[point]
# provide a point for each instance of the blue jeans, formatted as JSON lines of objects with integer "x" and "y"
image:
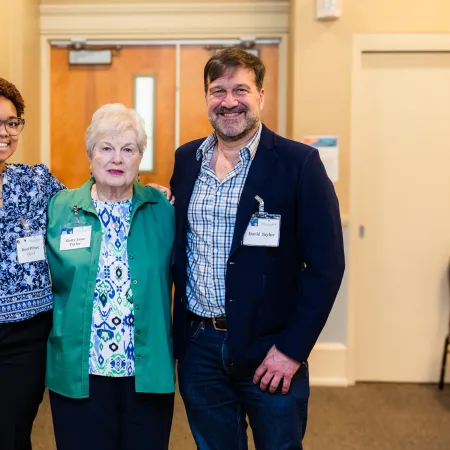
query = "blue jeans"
{"x": 218, "y": 399}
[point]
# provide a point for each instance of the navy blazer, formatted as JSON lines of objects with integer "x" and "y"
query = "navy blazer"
{"x": 274, "y": 295}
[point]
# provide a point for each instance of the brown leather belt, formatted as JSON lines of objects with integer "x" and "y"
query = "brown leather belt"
{"x": 219, "y": 323}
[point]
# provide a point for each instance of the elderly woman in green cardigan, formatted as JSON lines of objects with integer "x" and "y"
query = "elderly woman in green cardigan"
{"x": 110, "y": 370}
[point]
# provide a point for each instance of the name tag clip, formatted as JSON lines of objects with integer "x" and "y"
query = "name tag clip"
{"x": 261, "y": 203}
{"x": 75, "y": 211}
{"x": 25, "y": 225}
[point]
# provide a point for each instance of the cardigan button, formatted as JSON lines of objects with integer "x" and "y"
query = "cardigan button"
{"x": 131, "y": 257}
{"x": 134, "y": 281}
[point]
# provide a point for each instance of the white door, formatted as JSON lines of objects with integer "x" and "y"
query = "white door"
{"x": 401, "y": 195}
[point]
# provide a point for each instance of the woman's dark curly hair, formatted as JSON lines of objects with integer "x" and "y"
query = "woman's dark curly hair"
{"x": 9, "y": 91}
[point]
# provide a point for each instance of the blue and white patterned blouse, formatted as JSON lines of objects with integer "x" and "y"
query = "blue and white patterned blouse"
{"x": 111, "y": 351}
{"x": 24, "y": 288}
{"x": 211, "y": 219}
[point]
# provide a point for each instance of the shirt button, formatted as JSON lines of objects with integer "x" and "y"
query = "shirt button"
{"x": 134, "y": 281}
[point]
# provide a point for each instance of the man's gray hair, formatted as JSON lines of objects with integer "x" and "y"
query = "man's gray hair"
{"x": 117, "y": 118}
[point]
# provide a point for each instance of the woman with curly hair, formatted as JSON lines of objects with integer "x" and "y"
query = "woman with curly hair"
{"x": 25, "y": 291}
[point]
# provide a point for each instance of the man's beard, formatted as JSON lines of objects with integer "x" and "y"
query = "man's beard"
{"x": 232, "y": 134}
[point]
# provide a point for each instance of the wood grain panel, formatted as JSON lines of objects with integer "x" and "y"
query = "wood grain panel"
{"x": 194, "y": 122}
{"x": 269, "y": 56}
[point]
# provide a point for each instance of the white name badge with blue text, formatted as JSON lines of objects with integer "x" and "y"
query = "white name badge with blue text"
{"x": 263, "y": 231}
{"x": 30, "y": 249}
{"x": 75, "y": 237}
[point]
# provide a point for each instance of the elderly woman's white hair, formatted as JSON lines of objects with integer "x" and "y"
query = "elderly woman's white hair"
{"x": 115, "y": 117}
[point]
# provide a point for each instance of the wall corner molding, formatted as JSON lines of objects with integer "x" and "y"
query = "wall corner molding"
{"x": 328, "y": 365}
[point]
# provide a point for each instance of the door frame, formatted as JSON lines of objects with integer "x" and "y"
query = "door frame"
{"x": 376, "y": 43}
{"x": 161, "y": 21}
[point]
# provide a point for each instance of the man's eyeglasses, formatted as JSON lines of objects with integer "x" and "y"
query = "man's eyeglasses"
{"x": 13, "y": 125}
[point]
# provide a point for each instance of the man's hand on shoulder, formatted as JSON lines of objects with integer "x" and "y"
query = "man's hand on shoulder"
{"x": 165, "y": 190}
{"x": 276, "y": 367}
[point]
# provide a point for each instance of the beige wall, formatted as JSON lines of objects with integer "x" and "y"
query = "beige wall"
{"x": 322, "y": 54}
{"x": 5, "y": 37}
{"x": 19, "y": 35}
{"x": 99, "y": 2}
{"x": 31, "y": 80}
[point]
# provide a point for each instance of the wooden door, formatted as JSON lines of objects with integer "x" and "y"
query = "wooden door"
{"x": 194, "y": 122}
{"x": 78, "y": 91}
{"x": 401, "y": 198}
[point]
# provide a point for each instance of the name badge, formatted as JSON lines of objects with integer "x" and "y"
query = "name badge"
{"x": 30, "y": 249}
{"x": 263, "y": 231}
{"x": 73, "y": 238}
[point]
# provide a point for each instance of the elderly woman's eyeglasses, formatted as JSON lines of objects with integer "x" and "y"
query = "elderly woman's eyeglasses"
{"x": 13, "y": 125}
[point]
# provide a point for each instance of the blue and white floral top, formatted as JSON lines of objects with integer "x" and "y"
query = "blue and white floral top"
{"x": 24, "y": 288}
{"x": 111, "y": 351}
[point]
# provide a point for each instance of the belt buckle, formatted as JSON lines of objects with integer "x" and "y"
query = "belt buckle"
{"x": 215, "y": 325}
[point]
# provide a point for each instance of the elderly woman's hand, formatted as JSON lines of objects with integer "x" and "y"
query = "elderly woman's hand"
{"x": 165, "y": 190}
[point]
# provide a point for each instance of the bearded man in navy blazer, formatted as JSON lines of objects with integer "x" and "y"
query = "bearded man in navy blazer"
{"x": 258, "y": 263}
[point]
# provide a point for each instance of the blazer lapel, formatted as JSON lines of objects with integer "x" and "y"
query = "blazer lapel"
{"x": 262, "y": 166}
{"x": 183, "y": 195}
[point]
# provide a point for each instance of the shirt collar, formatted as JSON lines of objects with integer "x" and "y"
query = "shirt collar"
{"x": 249, "y": 150}
{"x": 141, "y": 194}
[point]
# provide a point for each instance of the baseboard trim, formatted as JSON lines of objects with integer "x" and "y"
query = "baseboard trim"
{"x": 328, "y": 365}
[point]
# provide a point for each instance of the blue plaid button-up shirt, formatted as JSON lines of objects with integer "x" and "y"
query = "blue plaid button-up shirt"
{"x": 211, "y": 219}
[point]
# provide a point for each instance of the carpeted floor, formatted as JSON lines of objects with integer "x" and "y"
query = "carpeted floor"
{"x": 362, "y": 417}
